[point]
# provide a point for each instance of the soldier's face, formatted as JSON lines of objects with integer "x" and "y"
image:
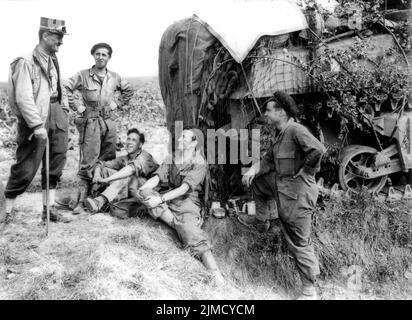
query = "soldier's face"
{"x": 186, "y": 141}
{"x": 53, "y": 41}
{"x": 132, "y": 143}
{"x": 101, "y": 57}
{"x": 273, "y": 114}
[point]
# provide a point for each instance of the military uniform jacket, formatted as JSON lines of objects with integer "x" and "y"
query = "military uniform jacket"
{"x": 98, "y": 95}
{"x": 30, "y": 89}
{"x": 193, "y": 174}
{"x": 293, "y": 148}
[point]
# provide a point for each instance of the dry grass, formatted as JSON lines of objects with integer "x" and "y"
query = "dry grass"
{"x": 373, "y": 236}
{"x": 101, "y": 257}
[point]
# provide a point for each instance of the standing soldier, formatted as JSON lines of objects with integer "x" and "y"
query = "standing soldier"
{"x": 35, "y": 95}
{"x": 97, "y": 130}
{"x": 287, "y": 174}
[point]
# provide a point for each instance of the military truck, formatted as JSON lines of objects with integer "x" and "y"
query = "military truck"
{"x": 217, "y": 70}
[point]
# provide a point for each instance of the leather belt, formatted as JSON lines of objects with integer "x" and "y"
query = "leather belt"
{"x": 97, "y": 113}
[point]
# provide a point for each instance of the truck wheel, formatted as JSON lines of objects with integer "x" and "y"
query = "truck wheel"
{"x": 353, "y": 159}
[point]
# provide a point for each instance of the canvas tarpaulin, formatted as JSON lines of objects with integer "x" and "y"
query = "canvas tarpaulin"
{"x": 238, "y": 27}
{"x": 184, "y": 48}
{"x": 187, "y": 48}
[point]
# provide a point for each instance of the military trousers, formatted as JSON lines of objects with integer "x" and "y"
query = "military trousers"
{"x": 187, "y": 221}
{"x": 97, "y": 141}
{"x": 31, "y": 152}
{"x": 295, "y": 198}
{"x": 121, "y": 189}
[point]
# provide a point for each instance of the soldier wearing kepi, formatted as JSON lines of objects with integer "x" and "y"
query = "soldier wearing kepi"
{"x": 35, "y": 95}
{"x": 180, "y": 207}
{"x": 287, "y": 174}
{"x": 97, "y": 130}
{"x": 123, "y": 175}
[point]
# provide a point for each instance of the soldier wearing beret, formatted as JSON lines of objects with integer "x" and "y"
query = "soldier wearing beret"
{"x": 287, "y": 175}
{"x": 97, "y": 129}
{"x": 35, "y": 95}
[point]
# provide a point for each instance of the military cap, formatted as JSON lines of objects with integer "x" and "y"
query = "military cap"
{"x": 53, "y": 25}
{"x": 286, "y": 102}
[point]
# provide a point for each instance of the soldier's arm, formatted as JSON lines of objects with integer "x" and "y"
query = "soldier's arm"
{"x": 312, "y": 148}
{"x": 115, "y": 164}
{"x": 24, "y": 94}
{"x": 121, "y": 174}
{"x": 126, "y": 91}
{"x": 72, "y": 84}
{"x": 192, "y": 179}
{"x": 177, "y": 192}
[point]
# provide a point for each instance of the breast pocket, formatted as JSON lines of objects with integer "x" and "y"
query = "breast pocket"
{"x": 90, "y": 95}
{"x": 285, "y": 162}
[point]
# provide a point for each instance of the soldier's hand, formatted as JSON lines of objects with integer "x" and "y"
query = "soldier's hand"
{"x": 305, "y": 176}
{"x": 102, "y": 180}
{"x": 81, "y": 109}
{"x": 40, "y": 133}
{"x": 152, "y": 201}
{"x": 138, "y": 196}
{"x": 249, "y": 176}
{"x": 97, "y": 175}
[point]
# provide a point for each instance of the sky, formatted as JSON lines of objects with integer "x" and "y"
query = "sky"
{"x": 132, "y": 27}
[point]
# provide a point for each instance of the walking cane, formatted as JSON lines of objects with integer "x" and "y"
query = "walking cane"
{"x": 47, "y": 186}
{"x": 47, "y": 183}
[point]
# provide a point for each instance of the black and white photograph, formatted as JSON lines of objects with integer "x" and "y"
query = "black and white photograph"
{"x": 209, "y": 156}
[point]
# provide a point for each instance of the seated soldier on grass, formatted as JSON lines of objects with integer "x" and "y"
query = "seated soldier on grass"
{"x": 137, "y": 166}
{"x": 180, "y": 207}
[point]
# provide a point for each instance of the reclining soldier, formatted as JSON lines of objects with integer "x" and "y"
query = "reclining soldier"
{"x": 180, "y": 207}
{"x": 124, "y": 174}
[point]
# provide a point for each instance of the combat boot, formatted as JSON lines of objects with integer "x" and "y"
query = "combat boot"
{"x": 274, "y": 227}
{"x": 54, "y": 215}
{"x": 308, "y": 291}
{"x": 95, "y": 204}
{"x": 83, "y": 191}
{"x": 252, "y": 222}
{"x": 209, "y": 262}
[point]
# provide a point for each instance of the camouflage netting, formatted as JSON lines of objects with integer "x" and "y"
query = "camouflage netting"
{"x": 201, "y": 84}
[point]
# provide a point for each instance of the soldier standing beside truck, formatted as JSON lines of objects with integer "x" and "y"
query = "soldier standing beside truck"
{"x": 287, "y": 173}
{"x": 97, "y": 129}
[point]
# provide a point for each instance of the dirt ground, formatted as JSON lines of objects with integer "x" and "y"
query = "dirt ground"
{"x": 102, "y": 257}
